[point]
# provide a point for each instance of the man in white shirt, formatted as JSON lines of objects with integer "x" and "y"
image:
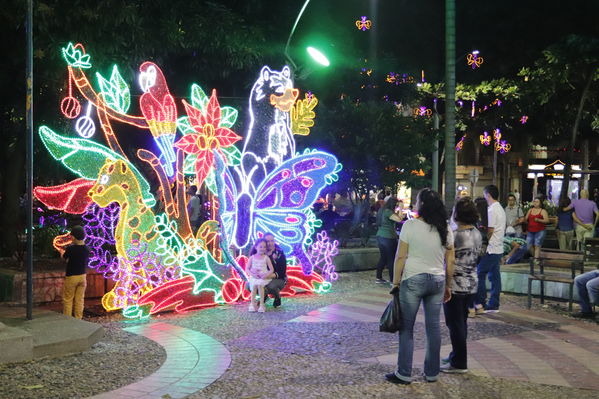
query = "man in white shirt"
{"x": 489, "y": 263}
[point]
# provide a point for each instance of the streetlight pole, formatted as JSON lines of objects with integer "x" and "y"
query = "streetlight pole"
{"x": 29, "y": 166}
{"x": 299, "y": 16}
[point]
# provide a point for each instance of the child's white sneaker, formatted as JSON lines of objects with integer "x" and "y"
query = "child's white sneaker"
{"x": 252, "y": 308}
{"x": 261, "y": 309}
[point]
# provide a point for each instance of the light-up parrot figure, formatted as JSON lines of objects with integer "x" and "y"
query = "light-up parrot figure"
{"x": 158, "y": 107}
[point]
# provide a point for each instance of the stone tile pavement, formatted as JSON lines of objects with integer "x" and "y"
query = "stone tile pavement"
{"x": 194, "y": 360}
{"x": 550, "y": 349}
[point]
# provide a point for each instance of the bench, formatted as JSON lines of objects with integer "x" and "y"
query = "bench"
{"x": 560, "y": 266}
{"x": 591, "y": 252}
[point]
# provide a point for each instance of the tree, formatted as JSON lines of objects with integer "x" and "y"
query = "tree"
{"x": 564, "y": 79}
{"x": 206, "y": 39}
{"x": 450, "y": 185}
{"x": 378, "y": 145}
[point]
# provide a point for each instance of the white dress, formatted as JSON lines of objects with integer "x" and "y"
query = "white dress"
{"x": 258, "y": 268}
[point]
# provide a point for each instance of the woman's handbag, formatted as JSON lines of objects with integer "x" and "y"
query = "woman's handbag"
{"x": 391, "y": 320}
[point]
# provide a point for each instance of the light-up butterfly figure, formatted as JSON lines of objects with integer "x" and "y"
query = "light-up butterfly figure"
{"x": 363, "y": 24}
{"x": 524, "y": 119}
{"x": 485, "y": 139}
{"x": 257, "y": 196}
{"x": 497, "y": 134}
{"x": 502, "y": 146}
{"x": 474, "y": 60}
{"x": 422, "y": 111}
{"x": 460, "y": 144}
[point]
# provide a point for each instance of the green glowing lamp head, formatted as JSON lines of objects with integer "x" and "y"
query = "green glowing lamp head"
{"x": 318, "y": 56}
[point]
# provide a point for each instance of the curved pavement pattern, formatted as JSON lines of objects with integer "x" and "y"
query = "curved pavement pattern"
{"x": 552, "y": 349}
{"x": 193, "y": 361}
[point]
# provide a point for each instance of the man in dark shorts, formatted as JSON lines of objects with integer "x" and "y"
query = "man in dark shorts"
{"x": 279, "y": 276}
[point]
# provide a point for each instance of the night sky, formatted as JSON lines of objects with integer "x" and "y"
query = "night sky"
{"x": 409, "y": 35}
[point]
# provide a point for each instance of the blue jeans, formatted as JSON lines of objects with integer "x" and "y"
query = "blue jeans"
{"x": 426, "y": 288}
{"x": 536, "y": 238}
{"x": 489, "y": 264}
{"x": 387, "y": 249}
{"x": 588, "y": 290}
{"x": 518, "y": 255}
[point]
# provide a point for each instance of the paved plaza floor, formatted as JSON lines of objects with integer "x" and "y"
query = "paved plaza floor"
{"x": 329, "y": 346}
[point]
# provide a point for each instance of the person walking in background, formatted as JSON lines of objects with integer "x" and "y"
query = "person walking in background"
{"x": 194, "y": 208}
{"x": 514, "y": 217}
{"x": 467, "y": 244}
{"x": 586, "y": 216}
{"x": 380, "y": 202}
{"x": 386, "y": 237}
{"x": 424, "y": 266}
{"x": 489, "y": 263}
{"x": 536, "y": 217}
{"x": 75, "y": 282}
{"x": 565, "y": 224}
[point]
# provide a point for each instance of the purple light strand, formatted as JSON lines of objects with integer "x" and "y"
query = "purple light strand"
{"x": 321, "y": 253}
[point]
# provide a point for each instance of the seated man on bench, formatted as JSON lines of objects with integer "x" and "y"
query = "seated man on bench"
{"x": 514, "y": 249}
{"x": 588, "y": 291}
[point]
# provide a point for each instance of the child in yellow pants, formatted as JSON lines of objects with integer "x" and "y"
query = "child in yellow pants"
{"x": 77, "y": 256}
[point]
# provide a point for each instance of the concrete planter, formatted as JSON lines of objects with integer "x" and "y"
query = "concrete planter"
{"x": 356, "y": 259}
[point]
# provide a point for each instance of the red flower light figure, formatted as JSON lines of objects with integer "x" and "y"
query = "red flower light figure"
{"x": 159, "y": 109}
{"x": 209, "y": 136}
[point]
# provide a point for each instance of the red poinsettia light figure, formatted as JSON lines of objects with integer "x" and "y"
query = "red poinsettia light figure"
{"x": 159, "y": 109}
{"x": 208, "y": 136}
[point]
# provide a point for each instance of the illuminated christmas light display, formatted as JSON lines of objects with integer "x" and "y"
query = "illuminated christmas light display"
{"x": 100, "y": 225}
{"x": 85, "y": 126}
{"x": 460, "y": 144}
{"x": 302, "y": 115}
{"x": 474, "y": 60}
{"x": 70, "y": 106}
{"x": 502, "y": 146}
{"x": 149, "y": 252}
{"x": 485, "y": 139}
{"x": 524, "y": 119}
{"x": 322, "y": 252}
{"x": 397, "y": 78}
{"x": 69, "y": 197}
{"x": 497, "y": 134}
{"x": 158, "y": 107}
{"x": 363, "y": 24}
{"x": 423, "y": 111}
{"x": 209, "y": 135}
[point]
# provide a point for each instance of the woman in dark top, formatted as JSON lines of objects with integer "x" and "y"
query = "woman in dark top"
{"x": 565, "y": 224}
{"x": 386, "y": 237}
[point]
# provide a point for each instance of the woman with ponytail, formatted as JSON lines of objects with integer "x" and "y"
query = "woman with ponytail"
{"x": 423, "y": 271}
